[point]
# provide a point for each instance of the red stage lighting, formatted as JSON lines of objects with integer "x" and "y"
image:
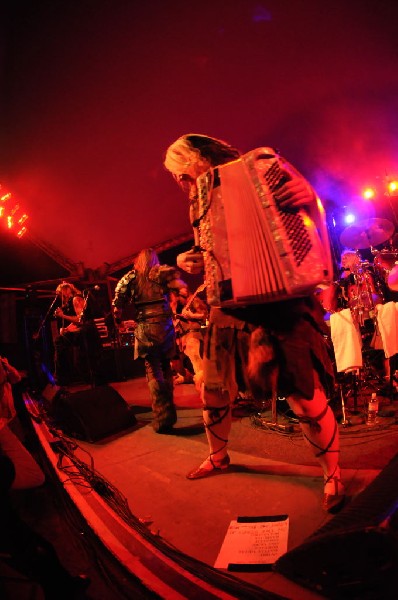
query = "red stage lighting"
{"x": 12, "y": 213}
{"x": 369, "y": 193}
{"x": 392, "y": 187}
{"x": 5, "y": 197}
{"x": 21, "y": 232}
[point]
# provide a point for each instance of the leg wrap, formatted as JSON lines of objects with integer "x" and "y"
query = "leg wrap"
{"x": 313, "y": 422}
{"x": 216, "y": 415}
{"x": 315, "y": 426}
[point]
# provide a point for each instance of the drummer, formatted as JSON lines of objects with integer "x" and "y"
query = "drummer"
{"x": 350, "y": 262}
{"x": 360, "y": 290}
{"x": 335, "y": 297}
{"x": 350, "y": 268}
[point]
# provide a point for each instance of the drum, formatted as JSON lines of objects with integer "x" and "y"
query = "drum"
{"x": 384, "y": 262}
{"x": 361, "y": 293}
{"x": 330, "y": 297}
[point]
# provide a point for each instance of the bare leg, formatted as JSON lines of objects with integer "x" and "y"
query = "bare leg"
{"x": 217, "y": 416}
{"x": 320, "y": 429}
{"x": 192, "y": 350}
{"x": 217, "y": 420}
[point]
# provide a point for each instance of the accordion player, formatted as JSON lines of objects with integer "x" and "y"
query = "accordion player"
{"x": 256, "y": 251}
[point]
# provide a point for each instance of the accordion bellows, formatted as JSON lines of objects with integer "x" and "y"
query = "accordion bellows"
{"x": 254, "y": 250}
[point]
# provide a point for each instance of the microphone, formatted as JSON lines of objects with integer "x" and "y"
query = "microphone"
{"x": 93, "y": 287}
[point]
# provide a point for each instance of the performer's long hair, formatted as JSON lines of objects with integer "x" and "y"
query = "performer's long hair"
{"x": 144, "y": 263}
{"x": 65, "y": 284}
{"x": 195, "y": 150}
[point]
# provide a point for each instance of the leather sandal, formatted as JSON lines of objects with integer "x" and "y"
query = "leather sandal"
{"x": 209, "y": 467}
{"x": 334, "y": 502}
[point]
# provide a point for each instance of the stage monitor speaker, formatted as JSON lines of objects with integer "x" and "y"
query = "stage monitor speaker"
{"x": 355, "y": 554}
{"x": 92, "y": 414}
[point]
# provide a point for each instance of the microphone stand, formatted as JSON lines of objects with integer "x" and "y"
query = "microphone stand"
{"x": 43, "y": 321}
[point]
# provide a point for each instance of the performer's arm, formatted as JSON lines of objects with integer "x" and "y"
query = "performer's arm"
{"x": 12, "y": 374}
{"x": 122, "y": 295}
{"x": 197, "y": 313}
{"x": 191, "y": 262}
{"x": 78, "y": 305}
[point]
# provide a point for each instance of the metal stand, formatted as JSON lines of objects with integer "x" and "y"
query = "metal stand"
{"x": 273, "y": 424}
{"x": 353, "y": 391}
{"x": 345, "y": 422}
{"x": 366, "y": 378}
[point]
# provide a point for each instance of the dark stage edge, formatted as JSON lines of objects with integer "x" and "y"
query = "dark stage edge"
{"x": 161, "y": 567}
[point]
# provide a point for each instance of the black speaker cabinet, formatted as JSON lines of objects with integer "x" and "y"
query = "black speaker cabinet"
{"x": 92, "y": 414}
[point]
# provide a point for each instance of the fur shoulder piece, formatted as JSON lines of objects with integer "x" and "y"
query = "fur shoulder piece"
{"x": 124, "y": 291}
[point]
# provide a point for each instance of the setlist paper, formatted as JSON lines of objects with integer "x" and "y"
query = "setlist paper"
{"x": 253, "y": 541}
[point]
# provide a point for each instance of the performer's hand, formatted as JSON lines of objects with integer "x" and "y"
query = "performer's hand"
{"x": 188, "y": 314}
{"x": 58, "y": 312}
{"x": 295, "y": 192}
{"x": 117, "y": 313}
{"x": 191, "y": 262}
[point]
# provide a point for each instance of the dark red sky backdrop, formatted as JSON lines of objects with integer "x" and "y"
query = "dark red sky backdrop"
{"x": 95, "y": 90}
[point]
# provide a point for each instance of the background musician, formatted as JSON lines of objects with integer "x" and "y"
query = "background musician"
{"x": 190, "y": 316}
{"x": 267, "y": 346}
{"x": 147, "y": 288}
{"x": 71, "y": 309}
{"x": 76, "y": 330}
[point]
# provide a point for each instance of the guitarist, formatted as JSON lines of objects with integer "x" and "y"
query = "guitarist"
{"x": 190, "y": 316}
{"x": 71, "y": 309}
{"x": 75, "y": 330}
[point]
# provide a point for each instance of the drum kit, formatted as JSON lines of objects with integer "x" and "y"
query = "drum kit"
{"x": 361, "y": 287}
{"x": 364, "y": 284}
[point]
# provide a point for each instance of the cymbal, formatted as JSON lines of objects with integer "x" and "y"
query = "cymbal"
{"x": 367, "y": 233}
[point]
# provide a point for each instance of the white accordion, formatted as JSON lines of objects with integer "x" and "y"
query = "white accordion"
{"x": 254, "y": 250}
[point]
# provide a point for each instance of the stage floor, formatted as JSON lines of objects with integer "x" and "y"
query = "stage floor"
{"x": 272, "y": 473}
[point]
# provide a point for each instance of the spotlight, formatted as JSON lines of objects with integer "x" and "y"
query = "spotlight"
{"x": 12, "y": 213}
{"x": 369, "y": 193}
{"x": 21, "y": 232}
{"x": 392, "y": 187}
{"x": 349, "y": 218}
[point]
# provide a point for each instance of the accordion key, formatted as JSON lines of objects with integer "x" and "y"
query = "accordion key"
{"x": 256, "y": 251}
